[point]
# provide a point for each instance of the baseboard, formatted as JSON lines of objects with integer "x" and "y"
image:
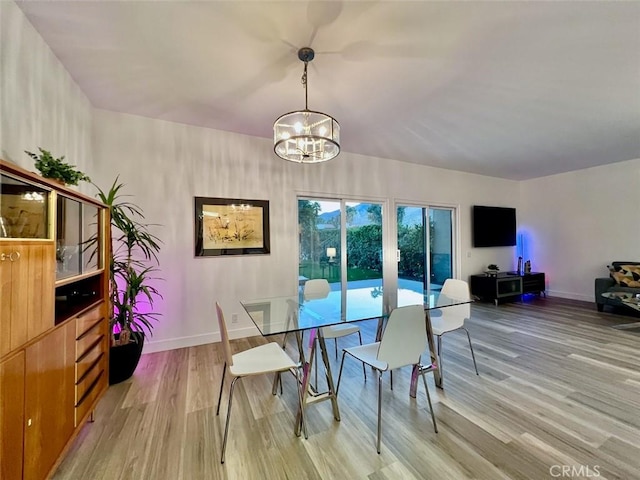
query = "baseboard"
{"x": 151, "y": 346}
{"x": 571, "y": 296}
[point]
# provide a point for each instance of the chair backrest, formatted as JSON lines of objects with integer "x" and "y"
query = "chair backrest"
{"x": 316, "y": 288}
{"x": 226, "y": 347}
{"x": 404, "y": 338}
{"x": 454, "y": 317}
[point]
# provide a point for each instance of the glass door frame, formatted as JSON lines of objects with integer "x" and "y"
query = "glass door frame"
{"x": 388, "y": 252}
{"x": 391, "y": 293}
{"x": 389, "y": 237}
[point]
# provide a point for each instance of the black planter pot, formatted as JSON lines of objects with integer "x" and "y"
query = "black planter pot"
{"x": 123, "y": 359}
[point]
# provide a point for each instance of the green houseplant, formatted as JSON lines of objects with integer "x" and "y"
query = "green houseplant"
{"x": 132, "y": 264}
{"x": 57, "y": 168}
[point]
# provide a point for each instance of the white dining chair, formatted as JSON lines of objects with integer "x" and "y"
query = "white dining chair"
{"x": 319, "y": 288}
{"x": 263, "y": 359}
{"x": 445, "y": 320}
{"x": 403, "y": 341}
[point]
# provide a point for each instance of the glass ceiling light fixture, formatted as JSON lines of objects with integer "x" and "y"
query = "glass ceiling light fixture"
{"x": 306, "y": 136}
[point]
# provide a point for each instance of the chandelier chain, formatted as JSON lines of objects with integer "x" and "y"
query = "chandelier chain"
{"x": 304, "y": 84}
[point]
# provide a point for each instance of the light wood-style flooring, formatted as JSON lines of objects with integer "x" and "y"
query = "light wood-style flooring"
{"x": 557, "y": 387}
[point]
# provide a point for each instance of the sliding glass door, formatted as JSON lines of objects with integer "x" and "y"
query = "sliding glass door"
{"x": 364, "y": 243}
{"x": 425, "y": 248}
{"x": 364, "y": 260}
{"x": 344, "y": 241}
{"x": 320, "y": 227}
{"x": 341, "y": 241}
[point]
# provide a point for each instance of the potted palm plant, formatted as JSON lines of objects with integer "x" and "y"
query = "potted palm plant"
{"x": 133, "y": 264}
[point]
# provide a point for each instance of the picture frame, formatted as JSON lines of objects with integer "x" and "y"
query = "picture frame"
{"x": 231, "y": 226}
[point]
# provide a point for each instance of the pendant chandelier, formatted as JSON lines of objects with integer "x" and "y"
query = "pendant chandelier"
{"x": 306, "y": 136}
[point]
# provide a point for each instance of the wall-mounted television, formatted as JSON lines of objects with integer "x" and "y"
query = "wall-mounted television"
{"x": 494, "y": 226}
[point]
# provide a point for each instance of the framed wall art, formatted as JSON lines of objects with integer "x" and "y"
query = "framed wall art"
{"x": 231, "y": 226}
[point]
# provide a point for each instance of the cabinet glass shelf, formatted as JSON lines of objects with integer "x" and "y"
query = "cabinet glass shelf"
{"x": 76, "y": 224}
{"x": 24, "y": 209}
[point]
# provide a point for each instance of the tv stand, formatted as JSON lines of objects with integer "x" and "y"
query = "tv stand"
{"x": 507, "y": 286}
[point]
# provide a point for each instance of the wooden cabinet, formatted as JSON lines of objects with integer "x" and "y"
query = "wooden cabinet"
{"x": 11, "y": 416}
{"x": 54, "y": 329}
{"x": 27, "y": 279}
{"x": 49, "y": 399}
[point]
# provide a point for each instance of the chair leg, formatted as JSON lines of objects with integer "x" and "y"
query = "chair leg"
{"x": 340, "y": 374}
{"x": 391, "y": 378}
{"x": 226, "y": 427}
{"x": 433, "y": 417}
{"x": 379, "y": 410}
{"x": 440, "y": 356}
{"x": 364, "y": 370}
{"x": 277, "y": 380}
{"x": 471, "y": 348}
{"x": 224, "y": 371}
{"x": 335, "y": 343}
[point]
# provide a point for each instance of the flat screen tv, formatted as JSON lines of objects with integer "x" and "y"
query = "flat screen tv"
{"x": 494, "y": 226}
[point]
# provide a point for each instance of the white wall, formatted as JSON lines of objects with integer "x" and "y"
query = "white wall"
{"x": 577, "y": 223}
{"x": 40, "y": 105}
{"x": 166, "y": 164}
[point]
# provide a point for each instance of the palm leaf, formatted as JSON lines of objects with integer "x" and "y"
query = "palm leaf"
{"x": 133, "y": 261}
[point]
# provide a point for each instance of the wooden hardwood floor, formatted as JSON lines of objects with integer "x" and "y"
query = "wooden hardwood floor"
{"x": 558, "y": 396}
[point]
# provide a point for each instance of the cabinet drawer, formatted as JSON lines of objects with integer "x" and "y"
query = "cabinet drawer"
{"x": 88, "y": 339}
{"x": 92, "y": 394}
{"x": 84, "y": 363}
{"x": 87, "y": 320}
{"x": 84, "y": 384}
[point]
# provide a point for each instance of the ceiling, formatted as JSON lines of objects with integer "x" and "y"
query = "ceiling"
{"x": 516, "y": 90}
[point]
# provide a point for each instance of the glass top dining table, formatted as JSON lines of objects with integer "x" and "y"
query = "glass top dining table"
{"x": 287, "y": 314}
{"x": 294, "y": 313}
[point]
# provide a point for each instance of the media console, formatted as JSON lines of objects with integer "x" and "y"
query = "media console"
{"x": 507, "y": 286}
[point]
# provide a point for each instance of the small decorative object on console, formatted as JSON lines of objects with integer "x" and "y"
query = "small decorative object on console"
{"x": 492, "y": 270}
